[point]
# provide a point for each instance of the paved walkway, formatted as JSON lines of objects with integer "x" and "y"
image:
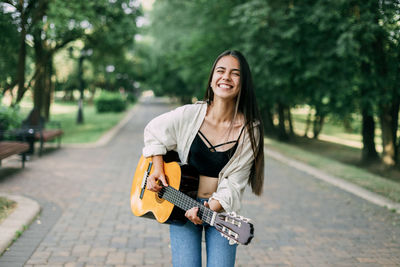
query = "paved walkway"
{"x": 86, "y": 218}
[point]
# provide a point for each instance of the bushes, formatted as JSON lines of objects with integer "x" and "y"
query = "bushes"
{"x": 9, "y": 118}
{"x": 110, "y": 102}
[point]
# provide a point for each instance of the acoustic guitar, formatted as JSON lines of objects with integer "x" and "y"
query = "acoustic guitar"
{"x": 170, "y": 204}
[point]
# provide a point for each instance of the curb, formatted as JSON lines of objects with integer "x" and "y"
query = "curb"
{"x": 338, "y": 182}
{"x": 27, "y": 209}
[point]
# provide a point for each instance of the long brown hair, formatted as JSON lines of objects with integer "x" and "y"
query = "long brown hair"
{"x": 247, "y": 105}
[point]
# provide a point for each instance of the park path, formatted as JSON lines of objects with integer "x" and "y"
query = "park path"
{"x": 86, "y": 218}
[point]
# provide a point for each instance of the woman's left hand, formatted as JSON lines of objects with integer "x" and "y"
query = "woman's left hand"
{"x": 192, "y": 214}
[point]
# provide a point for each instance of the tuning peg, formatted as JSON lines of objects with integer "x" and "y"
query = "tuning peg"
{"x": 232, "y": 213}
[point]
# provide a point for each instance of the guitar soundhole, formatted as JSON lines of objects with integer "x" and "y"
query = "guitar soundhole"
{"x": 159, "y": 196}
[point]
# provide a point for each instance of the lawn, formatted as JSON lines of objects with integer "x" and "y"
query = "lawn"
{"x": 349, "y": 172}
{"x": 6, "y": 207}
{"x": 338, "y": 152}
{"x": 333, "y": 129}
{"x": 94, "y": 126}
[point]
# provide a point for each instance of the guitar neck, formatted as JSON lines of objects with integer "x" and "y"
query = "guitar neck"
{"x": 185, "y": 202}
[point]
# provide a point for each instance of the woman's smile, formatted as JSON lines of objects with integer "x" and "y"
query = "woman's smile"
{"x": 225, "y": 86}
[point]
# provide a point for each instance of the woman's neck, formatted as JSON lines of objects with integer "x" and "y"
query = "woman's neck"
{"x": 222, "y": 111}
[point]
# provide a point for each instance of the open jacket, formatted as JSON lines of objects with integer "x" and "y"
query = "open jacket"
{"x": 176, "y": 130}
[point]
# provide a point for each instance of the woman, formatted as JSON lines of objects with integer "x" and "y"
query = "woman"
{"x": 223, "y": 138}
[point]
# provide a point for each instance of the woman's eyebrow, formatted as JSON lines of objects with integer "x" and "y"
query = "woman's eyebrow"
{"x": 219, "y": 67}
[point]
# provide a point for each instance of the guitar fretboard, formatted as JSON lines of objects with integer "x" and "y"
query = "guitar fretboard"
{"x": 185, "y": 202}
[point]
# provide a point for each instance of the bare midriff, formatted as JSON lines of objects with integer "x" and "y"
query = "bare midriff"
{"x": 207, "y": 186}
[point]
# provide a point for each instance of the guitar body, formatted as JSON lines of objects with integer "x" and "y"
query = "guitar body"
{"x": 183, "y": 178}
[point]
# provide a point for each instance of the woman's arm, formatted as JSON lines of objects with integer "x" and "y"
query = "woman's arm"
{"x": 157, "y": 175}
{"x": 161, "y": 134}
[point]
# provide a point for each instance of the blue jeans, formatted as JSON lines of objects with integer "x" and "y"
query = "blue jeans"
{"x": 186, "y": 246}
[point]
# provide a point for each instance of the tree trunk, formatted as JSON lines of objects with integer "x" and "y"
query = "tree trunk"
{"x": 395, "y": 126}
{"x": 347, "y": 124}
{"x": 389, "y": 124}
{"x": 289, "y": 121}
{"x": 269, "y": 127}
{"x": 282, "y": 134}
{"x": 318, "y": 123}
{"x": 308, "y": 123}
{"x": 21, "y": 58}
{"x": 369, "y": 153}
{"x": 48, "y": 87}
{"x": 39, "y": 89}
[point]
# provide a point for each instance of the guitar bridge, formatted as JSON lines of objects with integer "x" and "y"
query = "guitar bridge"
{"x": 144, "y": 179}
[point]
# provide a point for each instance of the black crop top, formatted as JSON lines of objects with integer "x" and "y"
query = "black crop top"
{"x": 207, "y": 160}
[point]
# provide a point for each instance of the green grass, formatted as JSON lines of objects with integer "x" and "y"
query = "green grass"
{"x": 331, "y": 126}
{"x": 6, "y": 207}
{"x": 355, "y": 175}
{"x": 94, "y": 126}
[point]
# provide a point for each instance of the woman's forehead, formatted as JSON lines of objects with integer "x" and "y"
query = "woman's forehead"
{"x": 228, "y": 62}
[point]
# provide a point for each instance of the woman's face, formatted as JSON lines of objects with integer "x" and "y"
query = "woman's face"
{"x": 225, "y": 81}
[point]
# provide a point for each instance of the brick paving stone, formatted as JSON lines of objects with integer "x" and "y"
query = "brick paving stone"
{"x": 74, "y": 264}
{"x": 86, "y": 218}
{"x": 116, "y": 258}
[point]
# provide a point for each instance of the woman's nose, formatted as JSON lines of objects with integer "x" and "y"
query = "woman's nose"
{"x": 226, "y": 76}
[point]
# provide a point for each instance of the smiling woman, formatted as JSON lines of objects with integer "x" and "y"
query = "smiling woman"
{"x": 222, "y": 138}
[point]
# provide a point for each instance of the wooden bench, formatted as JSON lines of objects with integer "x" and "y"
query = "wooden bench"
{"x": 9, "y": 148}
{"x": 34, "y": 129}
{"x": 46, "y": 135}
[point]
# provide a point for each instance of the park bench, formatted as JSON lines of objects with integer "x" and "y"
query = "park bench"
{"x": 34, "y": 128}
{"x": 10, "y": 147}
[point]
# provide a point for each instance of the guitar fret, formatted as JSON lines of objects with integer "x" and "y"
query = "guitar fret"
{"x": 185, "y": 202}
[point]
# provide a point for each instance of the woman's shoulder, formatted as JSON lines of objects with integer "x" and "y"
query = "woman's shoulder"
{"x": 189, "y": 109}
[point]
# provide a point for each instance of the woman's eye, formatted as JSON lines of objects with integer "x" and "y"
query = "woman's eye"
{"x": 236, "y": 74}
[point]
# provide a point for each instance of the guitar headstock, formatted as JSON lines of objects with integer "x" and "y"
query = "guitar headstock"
{"x": 234, "y": 227}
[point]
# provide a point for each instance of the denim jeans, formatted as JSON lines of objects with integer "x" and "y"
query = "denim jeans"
{"x": 186, "y": 246}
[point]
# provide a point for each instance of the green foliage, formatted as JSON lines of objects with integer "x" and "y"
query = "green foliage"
{"x": 9, "y": 51}
{"x": 188, "y": 36}
{"x": 111, "y": 42}
{"x": 339, "y": 57}
{"x": 131, "y": 97}
{"x": 110, "y": 102}
{"x": 10, "y": 118}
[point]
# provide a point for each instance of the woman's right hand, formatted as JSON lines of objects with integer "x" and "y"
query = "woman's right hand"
{"x": 153, "y": 181}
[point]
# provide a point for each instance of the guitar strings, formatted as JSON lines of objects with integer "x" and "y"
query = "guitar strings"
{"x": 185, "y": 202}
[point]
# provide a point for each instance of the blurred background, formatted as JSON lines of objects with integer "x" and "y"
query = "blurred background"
{"x": 326, "y": 72}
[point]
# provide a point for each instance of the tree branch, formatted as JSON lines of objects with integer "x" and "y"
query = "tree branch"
{"x": 10, "y": 3}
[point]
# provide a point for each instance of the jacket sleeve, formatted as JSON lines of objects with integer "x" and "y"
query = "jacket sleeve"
{"x": 161, "y": 133}
{"x": 230, "y": 190}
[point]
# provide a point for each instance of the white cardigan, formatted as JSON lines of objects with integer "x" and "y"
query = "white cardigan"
{"x": 176, "y": 130}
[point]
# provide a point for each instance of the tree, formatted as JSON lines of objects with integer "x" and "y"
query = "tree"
{"x": 9, "y": 52}
{"x": 54, "y": 24}
{"x": 188, "y": 36}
